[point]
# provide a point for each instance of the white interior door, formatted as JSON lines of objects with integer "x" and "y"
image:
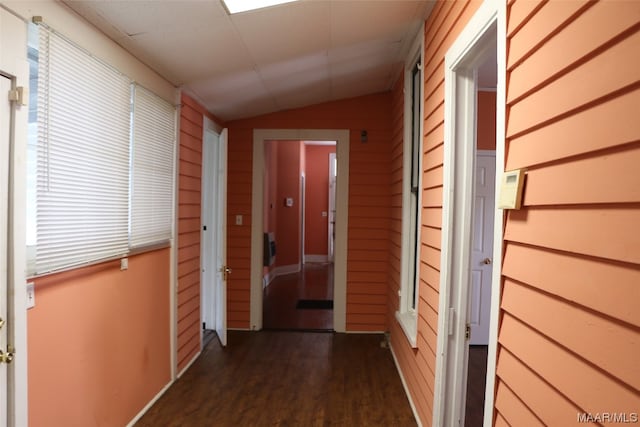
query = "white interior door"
{"x": 5, "y": 124}
{"x": 222, "y": 270}
{"x": 482, "y": 248}
{"x": 209, "y": 185}
{"x": 214, "y": 240}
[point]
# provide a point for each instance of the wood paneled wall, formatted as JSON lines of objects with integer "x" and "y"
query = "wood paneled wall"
{"x": 369, "y": 197}
{"x": 570, "y": 326}
{"x": 418, "y": 365}
{"x": 190, "y": 172}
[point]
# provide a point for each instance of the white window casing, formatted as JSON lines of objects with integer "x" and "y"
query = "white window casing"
{"x": 407, "y": 313}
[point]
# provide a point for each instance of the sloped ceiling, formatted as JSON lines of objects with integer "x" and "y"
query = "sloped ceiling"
{"x": 273, "y": 59}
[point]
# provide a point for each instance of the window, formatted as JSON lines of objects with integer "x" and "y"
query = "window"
{"x": 152, "y": 169}
{"x": 101, "y": 163}
{"x": 407, "y": 312}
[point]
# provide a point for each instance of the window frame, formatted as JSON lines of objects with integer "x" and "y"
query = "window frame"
{"x": 407, "y": 313}
{"x": 129, "y": 249}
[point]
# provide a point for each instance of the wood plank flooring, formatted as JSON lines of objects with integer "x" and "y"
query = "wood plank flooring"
{"x": 315, "y": 281}
{"x": 272, "y": 378}
{"x": 476, "y": 381}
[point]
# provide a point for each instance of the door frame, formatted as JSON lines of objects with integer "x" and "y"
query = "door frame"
{"x": 341, "y": 136}
{"x": 15, "y": 66}
{"x": 486, "y": 29}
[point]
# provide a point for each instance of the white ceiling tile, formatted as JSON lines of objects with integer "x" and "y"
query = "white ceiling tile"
{"x": 252, "y": 63}
{"x": 352, "y": 22}
{"x": 283, "y": 32}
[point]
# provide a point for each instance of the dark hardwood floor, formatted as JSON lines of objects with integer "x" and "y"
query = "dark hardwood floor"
{"x": 315, "y": 281}
{"x": 476, "y": 381}
{"x": 273, "y": 378}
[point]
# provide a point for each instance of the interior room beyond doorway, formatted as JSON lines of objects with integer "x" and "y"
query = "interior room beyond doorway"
{"x": 298, "y": 222}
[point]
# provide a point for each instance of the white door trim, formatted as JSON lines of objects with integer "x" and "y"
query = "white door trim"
{"x": 487, "y": 25}
{"x": 14, "y": 64}
{"x": 341, "y": 136}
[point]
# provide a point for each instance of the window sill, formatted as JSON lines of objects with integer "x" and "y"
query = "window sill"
{"x": 409, "y": 324}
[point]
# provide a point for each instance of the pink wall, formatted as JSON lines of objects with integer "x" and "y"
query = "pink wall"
{"x": 486, "y": 132}
{"x": 418, "y": 365}
{"x": 569, "y": 335}
{"x": 288, "y": 218}
{"x": 369, "y": 201}
{"x": 99, "y": 344}
{"x": 317, "y": 201}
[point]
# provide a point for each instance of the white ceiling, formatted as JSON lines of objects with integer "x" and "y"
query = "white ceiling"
{"x": 272, "y": 59}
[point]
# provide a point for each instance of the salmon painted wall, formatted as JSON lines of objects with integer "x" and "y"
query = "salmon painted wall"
{"x": 486, "y": 127}
{"x": 569, "y": 336}
{"x": 99, "y": 342}
{"x": 189, "y": 226}
{"x": 317, "y": 201}
{"x": 368, "y": 203}
{"x": 418, "y": 365}
{"x": 288, "y": 217}
{"x": 270, "y": 191}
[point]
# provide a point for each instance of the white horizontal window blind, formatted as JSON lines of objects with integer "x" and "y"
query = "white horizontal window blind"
{"x": 152, "y": 171}
{"x": 83, "y": 164}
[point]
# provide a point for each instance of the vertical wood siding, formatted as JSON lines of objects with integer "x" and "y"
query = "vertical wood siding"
{"x": 369, "y": 197}
{"x": 418, "y": 365}
{"x": 569, "y": 337}
{"x": 190, "y": 172}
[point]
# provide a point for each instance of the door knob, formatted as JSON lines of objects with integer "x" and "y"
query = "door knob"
{"x": 2, "y": 322}
{"x": 6, "y": 357}
{"x": 487, "y": 261}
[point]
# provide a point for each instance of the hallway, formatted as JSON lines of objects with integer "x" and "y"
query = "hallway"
{"x": 274, "y": 378}
{"x": 281, "y": 297}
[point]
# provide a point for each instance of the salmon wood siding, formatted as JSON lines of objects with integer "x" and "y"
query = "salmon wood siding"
{"x": 418, "y": 365}
{"x": 368, "y": 221}
{"x": 190, "y": 172}
{"x": 569, "y": 336}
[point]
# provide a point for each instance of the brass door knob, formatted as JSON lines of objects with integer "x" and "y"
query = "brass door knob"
{"x": 487, "y": 261}
{"x": 6, "y": 357}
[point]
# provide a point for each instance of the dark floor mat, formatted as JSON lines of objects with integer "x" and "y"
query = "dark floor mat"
{"x": 315, "y": 304}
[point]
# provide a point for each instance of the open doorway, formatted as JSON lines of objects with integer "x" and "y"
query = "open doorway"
{"x": 471, "y": 242}
{"x": 298, "y": 275}
{"x": 260, "y": 136}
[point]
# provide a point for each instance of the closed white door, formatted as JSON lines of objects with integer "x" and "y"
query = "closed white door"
{"x": 5, "y": 122}
{"x": 482, "y": 248}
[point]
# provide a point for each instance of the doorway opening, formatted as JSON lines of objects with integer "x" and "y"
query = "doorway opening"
{"x": 471, "y": 241}
{"x": 297, "y": 268}
{"x": 261, "y": 241}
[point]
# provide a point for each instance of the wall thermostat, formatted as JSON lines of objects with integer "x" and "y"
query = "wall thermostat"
{"x": 511, "y": 189}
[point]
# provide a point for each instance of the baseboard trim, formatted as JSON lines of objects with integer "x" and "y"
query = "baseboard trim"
{"x": 406, "y": 388}
{"x": 286, "y": 269}
{"x": 150, "y": 404}
{"x": 311, "y": 258}
{"x": 188, "y": 365}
